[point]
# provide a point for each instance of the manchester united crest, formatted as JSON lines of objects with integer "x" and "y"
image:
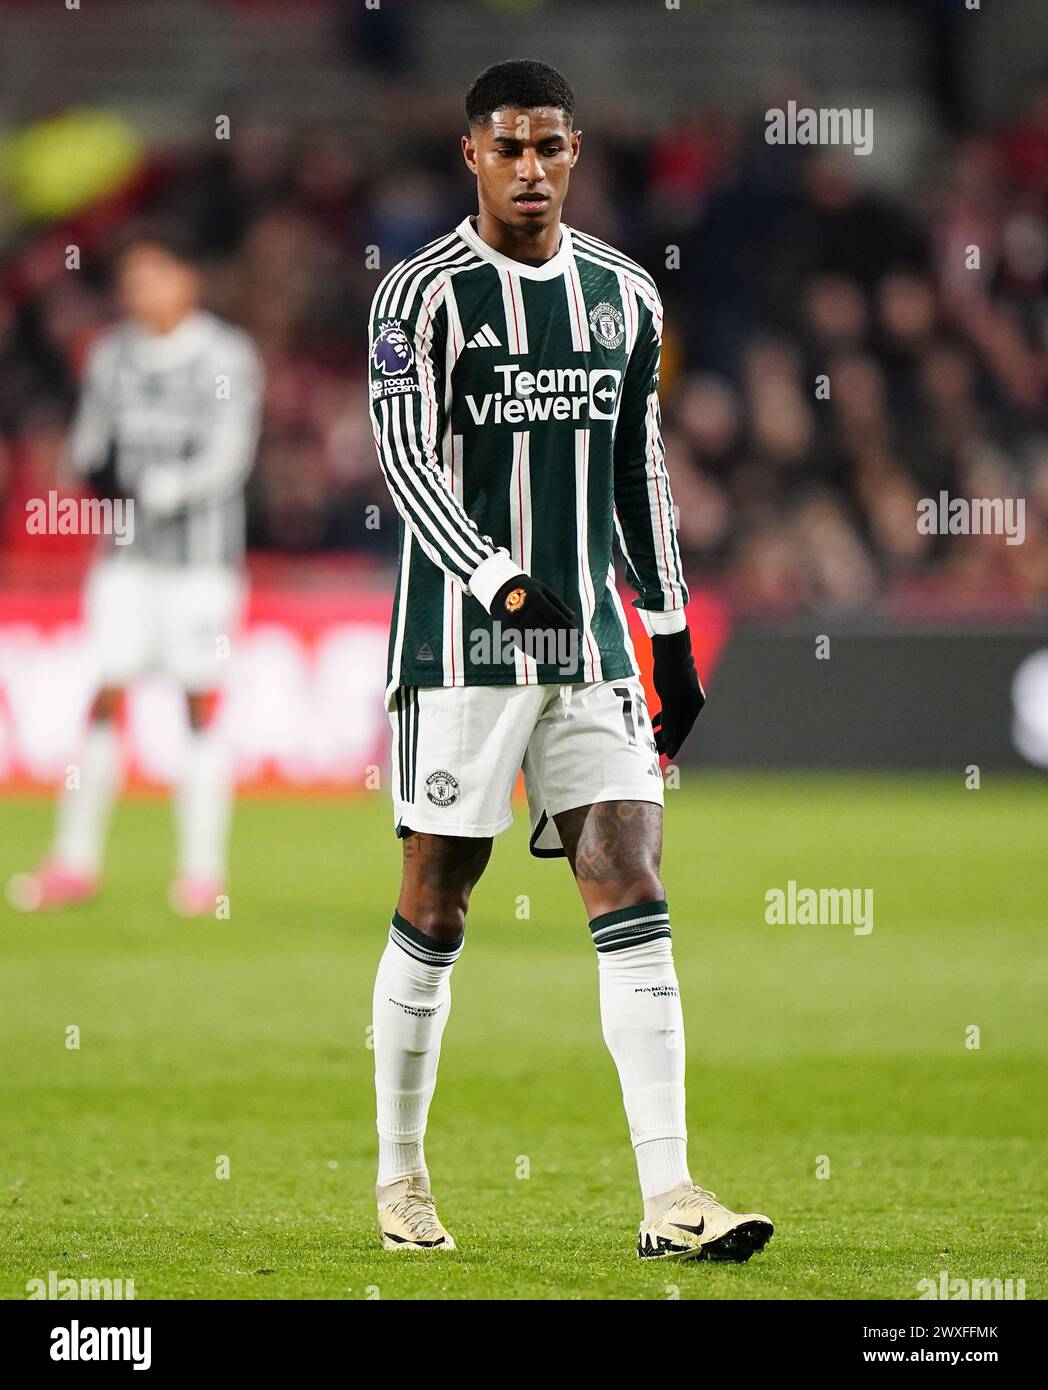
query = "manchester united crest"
{"x": 606, "y": 325}
{"x": 442, "y": 789}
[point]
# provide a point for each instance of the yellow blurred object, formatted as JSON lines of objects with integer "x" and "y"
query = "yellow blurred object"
{"x": 59, "y": 164}
{"x": 672, "y": 359}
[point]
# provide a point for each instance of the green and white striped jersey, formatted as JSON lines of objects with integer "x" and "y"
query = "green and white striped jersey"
{"x": 516, "y": 415}
{"x": 189, "y": 403}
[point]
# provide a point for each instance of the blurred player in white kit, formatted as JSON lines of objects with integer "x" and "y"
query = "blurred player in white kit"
{"x": 169, "y": 416}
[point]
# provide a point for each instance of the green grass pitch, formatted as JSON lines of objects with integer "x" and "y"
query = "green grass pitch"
{"x": 248, "y": 1038}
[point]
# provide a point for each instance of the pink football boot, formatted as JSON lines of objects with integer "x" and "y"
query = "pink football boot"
{"x": 194, "y": 897}
{"x": 52, "y": 886}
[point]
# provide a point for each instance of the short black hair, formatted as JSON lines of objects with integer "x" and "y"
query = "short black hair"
{"x": 517, "y": 82}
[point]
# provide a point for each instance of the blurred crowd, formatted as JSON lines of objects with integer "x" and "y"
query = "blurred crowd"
{"x": 832, "y": 355}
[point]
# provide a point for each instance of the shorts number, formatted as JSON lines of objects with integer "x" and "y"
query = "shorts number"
{"x": 626, "y": 696}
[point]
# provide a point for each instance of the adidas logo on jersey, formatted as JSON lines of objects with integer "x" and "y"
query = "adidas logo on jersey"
{"x": 484, "y": 337}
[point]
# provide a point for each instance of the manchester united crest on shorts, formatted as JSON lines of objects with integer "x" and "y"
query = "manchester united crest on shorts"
{"x": 606, "y": 325}
{"x": 442, "y": 789}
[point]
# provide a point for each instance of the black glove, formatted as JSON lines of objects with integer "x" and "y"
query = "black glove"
{"x": 679, "y": 688}
{"x": 528, "y": 606}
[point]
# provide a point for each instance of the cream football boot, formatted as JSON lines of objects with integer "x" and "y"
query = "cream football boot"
{"x": 408, "y": 1220}
{"x": 698, "y": 1227}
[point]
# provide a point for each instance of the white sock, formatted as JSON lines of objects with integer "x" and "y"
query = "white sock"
{"x": 662, "y": 1166}
{"x": 203, "y": 806}
{"x": 411, "y": 1006}
{"x": 84, "y": 810}
{"x": 644, "y": 1029}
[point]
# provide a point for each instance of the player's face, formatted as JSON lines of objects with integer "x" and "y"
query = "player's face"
{"x": 523, "y": 160}
{"x": 157, "y": 288}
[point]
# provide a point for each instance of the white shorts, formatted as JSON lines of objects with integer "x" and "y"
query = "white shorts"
{"x": 457, "y": 752}
{"x": 143, "y": 617}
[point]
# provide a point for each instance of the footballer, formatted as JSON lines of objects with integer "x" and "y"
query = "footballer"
{"x": 514, "y": 369}
{"x": 169, "y": 416}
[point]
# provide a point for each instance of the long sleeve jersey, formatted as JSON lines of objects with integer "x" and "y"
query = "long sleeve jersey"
{"x": 515, "y": 409}
{"x": 188, "y": 403}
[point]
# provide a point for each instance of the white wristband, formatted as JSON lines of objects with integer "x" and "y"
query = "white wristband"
{"x": 490, "y": 575}
{"x": 663, "y": 624}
